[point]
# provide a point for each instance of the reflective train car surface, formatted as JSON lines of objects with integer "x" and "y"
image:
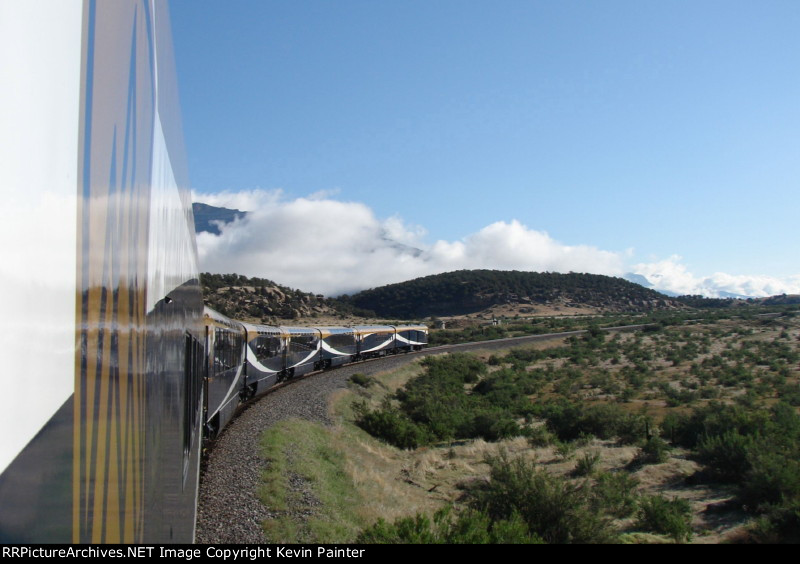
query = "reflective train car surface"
{"x": 303, "y": 346}
{"x": 225, "y": 369}
{"x": 375, "y": 340}
{"x": 103, "y": 366}
{"x": 339, "y": 346}
{"x": 113, "y": 368}
{"x": 412, "y": 337}
{"x": 265, "y": 354}
{"x": 268, "y": 355}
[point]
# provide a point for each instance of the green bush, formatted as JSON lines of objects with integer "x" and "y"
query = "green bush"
{"x": 778, "y": 525}
{"x": 569, "y": 420}
{"x": 393, "y": 427}
{"x": 437, "y": 406}
{"x": 586, "y": 464}
{"x": 555, "y": 509}
{"x": 772, "y": 480}
{"x": 668, "y": 517}
{"x": 715, "y": 419}
{"x": 490, "y": 426}
{"x": 539, "y": 436}
{"x": 362, "y": 380}
{"x": 654, "y": 451}
{"x": 615, "y": 493}
{"x": 468, "y": 527}
{"x": 726, "y": 455}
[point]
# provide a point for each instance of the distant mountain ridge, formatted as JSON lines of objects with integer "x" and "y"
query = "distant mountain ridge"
{"x": 643, "y": 281}
{"x": 470, "y": 291}
{"x": 208, "y": 218}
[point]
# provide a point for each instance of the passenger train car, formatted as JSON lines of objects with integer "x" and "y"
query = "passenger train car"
{"x": 245, "y": 360}
{"x": 104, "y": 330}
{"x": 112, "y": 369}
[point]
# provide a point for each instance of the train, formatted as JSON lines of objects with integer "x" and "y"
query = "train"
{"x": 245, "y": 360}
{"x": 113, "y": 370}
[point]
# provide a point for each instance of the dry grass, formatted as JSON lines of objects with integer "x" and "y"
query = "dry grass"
{"x": 392, "y": 483}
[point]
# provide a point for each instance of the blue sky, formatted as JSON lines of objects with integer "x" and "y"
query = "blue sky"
{"x": 663, "y": 135}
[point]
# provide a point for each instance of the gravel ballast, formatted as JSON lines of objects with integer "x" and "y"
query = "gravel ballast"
{"x": 229, "y": 510}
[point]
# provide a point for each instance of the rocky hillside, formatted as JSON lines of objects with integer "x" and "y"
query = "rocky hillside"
{"x": 264, "y": 301}
{"x": 471, "y": 291}
{"x": 451, "y": 294}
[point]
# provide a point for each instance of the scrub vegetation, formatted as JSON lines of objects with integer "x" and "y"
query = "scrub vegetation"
{"x": 686, "y": 431}
{"x": 470, "y": 291}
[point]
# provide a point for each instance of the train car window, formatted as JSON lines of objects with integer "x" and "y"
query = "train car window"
{"x": 267, "y": 346}
{"x": 192, "y": 394}
{"x": 302, "y": 343}
{"x": 341, "y": 341}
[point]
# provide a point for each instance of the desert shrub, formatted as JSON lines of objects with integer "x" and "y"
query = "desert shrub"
{"x": 709, "y": 392}
{"x": 677, "y": 397}
{"x": 392, "y": 426}
{"x": 565, "y": 450}
{"x": 757, "y": 449}
{"x": 726, "y": 455}
{"x": 778, "y": 525}
{"x": 539, "y": 436}
{"x": 437, "y": 407}
{"x": 555, "y": 509}
{"x": 672, "y": 426}
{"x": 362, "y": 380}
{"x": 772, "y": 480}
{"x": 654, "y": 451}
{"x": 495, "y": 360}
{"x": 633, "y": 428}
{"x": 468, "y": 527}
{"x": 668, "y": 517}
{"x": 790, "y": 394}
{"x": 615, "y": 493}
{"x": 490, "y": 426}
{"x": 713, "y": 420}
{"x": 586, "y": 464}
{"x": 569, "y": 420}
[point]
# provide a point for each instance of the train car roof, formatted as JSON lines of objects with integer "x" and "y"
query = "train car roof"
{"x": 292, "y": 330}
{"x": 327, "y": 331}
{"x": 360, "y": 329}
{"x": 211, "y": 315}
{"x": 255, "y": 328}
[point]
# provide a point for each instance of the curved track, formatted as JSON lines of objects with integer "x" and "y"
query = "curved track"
{"x": 229, "y": 510}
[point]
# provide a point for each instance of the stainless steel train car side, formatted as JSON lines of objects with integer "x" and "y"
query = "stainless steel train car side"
{"x": 375, "y": 340}
{"x": 224, "y": 369}
{"x": 106, "y": 440}
{"x": 339, "y": 346}
{"x": 411, "y": 337}
{"x": 266, "y": 358}
{"x": 303, "y": 350}
{"x": 99, "y": 277}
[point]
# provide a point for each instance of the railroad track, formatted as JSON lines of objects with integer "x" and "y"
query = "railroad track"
{"x": 229, "y": 510}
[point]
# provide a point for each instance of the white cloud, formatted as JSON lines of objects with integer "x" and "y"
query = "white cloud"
{"x": 244, "y": 200}
{"x": 323, "y": 245}
{"x": 671, "y": 275}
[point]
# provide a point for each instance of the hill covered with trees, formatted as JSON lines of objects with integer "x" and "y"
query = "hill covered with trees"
{"x": 262, "y": 300}
{"x": 470, "y": 291}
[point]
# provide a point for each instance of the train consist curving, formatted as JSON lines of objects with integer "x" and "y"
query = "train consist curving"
{"x": 112, "y": 369}
{"x": 244, "y": 360}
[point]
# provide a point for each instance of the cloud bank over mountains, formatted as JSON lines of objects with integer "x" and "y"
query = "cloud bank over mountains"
{"x": 324, "y": 245}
